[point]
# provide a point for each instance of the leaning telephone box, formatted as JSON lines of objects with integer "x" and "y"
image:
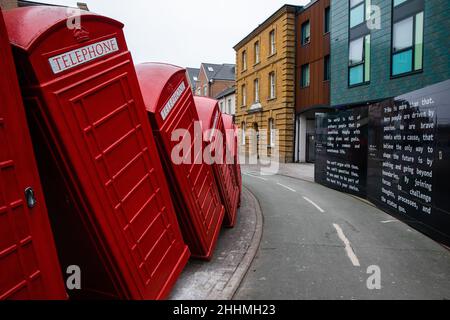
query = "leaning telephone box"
{"x": 106, "y": 190}
{"x": 29, "y": 266}
{"x": 211, "y": 118}
{"x": 170, "y": 106}
{"x": 232, "y": 146}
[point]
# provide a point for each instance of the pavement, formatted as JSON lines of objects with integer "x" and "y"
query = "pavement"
{"x": 220, "y": 278}
{"x": 302, "y": 171}
{"x": 318, "y": 243}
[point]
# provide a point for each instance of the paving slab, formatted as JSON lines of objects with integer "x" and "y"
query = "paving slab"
{"x": 220, "y": 278}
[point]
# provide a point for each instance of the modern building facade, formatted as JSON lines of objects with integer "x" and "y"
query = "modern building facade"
{"x": 313, "y": 74}
{"x": 265, "y": 84}
{"x": 215, "y": 78}
{"x": 227, "y": 101}
{"x": 384, "y": 48}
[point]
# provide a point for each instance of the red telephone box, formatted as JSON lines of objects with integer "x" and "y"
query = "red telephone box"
{"x": 238, "y": 164}
{"x": 107, "y": 194}
{"x": 232, "y": 146}
{"x": 29, "y": 266}
{"x": 170, "y": 105}
{"x": 211, "y": 118}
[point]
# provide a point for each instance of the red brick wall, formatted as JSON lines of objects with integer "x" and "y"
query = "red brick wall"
{"x": 218, "y": 86}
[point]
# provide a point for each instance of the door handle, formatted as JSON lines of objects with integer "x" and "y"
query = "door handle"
{"x": 30, "y": 197}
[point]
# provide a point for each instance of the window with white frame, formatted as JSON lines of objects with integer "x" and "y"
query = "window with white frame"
{"x": 257, "y": 52}
{"x": 243, "y": 133}
{"x": 272, "y": 42}
{"x": 256, "y": 90}
{"x": 272, "y": 85}
{"x": 205, "y": 91}
{"x": 244, "y": 60}
{"x": 244, "y": 95}
{"x": 272, "y": 133}
{"x": 228, "y": 111}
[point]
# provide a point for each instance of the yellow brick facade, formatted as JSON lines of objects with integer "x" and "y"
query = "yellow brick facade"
{"x": 282, "y": 64}
{"x": 8, "y": 4}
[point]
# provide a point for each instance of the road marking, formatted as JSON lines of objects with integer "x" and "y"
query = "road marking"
{"x": 389, "y": 221}
{"x": 314, "y": 204}
{"x": 286, "y": 187}
{"x": 250, "y": 175}
{"x": 348, "y": 247}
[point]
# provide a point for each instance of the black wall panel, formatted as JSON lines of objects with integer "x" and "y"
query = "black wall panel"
{"x": 396, "y": 153}
{"x": 341, "y": 150}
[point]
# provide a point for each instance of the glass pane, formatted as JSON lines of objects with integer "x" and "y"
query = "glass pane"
{"x": 403, "y": 34}
{"x": 356, "y": 51}
{"x": 368, "y": 9}
{"x": 354, "y": 2}
{"x": 367, "y": 59}
{"x": 418, "y": 50}
{"x": 305, "y": 32}
{"x": 272, "y": 42}
{"x": 402, "y": 62}
{"x": 356, "y": 75}
{"x": 307, "y": 75}
{"x": 357, "y": 16}
{"x": 327, "y": 68}
{"x": 398, "y": 2}
{"x": 327, "y": 20}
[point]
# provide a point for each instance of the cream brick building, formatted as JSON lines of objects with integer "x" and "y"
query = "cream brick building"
{"x": 8, "y": 4}
{"x": 265, "y": 84}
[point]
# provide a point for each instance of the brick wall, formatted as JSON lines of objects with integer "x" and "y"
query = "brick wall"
{"x": 282, "y": 63}
{"x": 8, "y": 4}
{"x": 219, "y": 86}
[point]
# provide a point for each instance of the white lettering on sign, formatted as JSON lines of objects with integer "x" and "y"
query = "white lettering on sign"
{"x": 173, "y": 100}
{"x": 83, "y": 55}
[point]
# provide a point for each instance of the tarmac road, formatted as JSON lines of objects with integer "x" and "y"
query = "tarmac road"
{"x": 319, "y": 244}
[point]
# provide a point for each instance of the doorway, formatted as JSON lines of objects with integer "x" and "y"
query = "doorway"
{"x": 310, "y": 147}
{"x": 256, "y": 132}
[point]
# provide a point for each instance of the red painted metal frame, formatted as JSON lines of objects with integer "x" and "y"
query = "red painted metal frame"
{"x": 197, "y": 198}
{"x": 211, "y": 118}
{"x": 233, "y": 145}
{"x": 29, "y": 266}
{"x": 108, "y": 197}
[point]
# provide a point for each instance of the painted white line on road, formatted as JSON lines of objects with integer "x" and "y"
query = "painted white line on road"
{"x": 286, "y": 187}
{"x": 389, "y": 221}
{"x": 348, "y": 247}
{"x": 314, "y": 204}
{"x": 250, "y": 175}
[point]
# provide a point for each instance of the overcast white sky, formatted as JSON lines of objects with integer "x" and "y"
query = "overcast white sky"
{"x": 184, "y": 32}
